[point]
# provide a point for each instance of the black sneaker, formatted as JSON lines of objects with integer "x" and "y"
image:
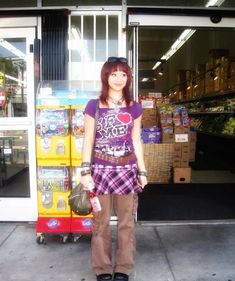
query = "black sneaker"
{"x": 118, "y": 276}
{"x": 104, "y": 277}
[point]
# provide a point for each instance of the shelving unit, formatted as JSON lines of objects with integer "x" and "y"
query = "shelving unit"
{"x": 209, "y": 114}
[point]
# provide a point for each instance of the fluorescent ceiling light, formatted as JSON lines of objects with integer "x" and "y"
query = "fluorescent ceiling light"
{"x": 15, "y": 79}
{"x": 145, "y": 79}
{"x": 184, "y": 36}
{"x": 214, "y": 3}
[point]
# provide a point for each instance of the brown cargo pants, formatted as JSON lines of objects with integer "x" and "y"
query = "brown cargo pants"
{"x": 125, "y": 207}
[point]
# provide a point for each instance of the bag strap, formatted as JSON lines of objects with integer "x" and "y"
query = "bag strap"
{"x": 95, "y": 125}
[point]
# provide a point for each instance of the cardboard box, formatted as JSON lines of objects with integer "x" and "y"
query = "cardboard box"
{"x": 177, "y": 151}
{"x": 192, "y": 136}
{"x": 149, "y": 117}
{"x": 181, "y": 129}
{"x": 192, "y": 151}
{"x": 168, "y": 138}
{"x": 182, "y": 175}
{"x": 151, "y": 135}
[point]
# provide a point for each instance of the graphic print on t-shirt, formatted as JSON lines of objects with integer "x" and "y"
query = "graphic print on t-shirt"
{"x": 113, "y": 133}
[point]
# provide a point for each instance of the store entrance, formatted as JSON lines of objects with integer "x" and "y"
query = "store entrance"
{"x": 17, "y": 142}
{"x": 186, "y": 65}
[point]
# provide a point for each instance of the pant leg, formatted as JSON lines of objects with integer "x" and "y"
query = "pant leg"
{"x": 125, "y": 207}
{"x": 101, "y": 242}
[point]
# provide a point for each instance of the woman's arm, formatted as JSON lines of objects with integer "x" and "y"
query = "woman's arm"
{"x": 137, "y": 143}
{"x": 87, "y": 148}
{"x": 88, "y": 141}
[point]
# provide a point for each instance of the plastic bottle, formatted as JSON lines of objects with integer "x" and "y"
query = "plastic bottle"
{"x": 95, "y": 202}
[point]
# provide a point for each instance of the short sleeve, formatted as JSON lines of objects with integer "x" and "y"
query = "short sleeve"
{"x": 137, "y": 110}
{"x": 90, "y": 108}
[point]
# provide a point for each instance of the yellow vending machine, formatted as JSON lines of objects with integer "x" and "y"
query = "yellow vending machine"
{"x": 59, "y": 139}
{"x": 53, "y": 166}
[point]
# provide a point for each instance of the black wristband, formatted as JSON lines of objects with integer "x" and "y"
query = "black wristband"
{"x": 86, "y": 172}
{"x": 86, "y": 164}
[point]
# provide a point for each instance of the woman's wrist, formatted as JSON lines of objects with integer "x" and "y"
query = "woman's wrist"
{"x": 85, "y": 168}
{"x": 142, "y": 173}
{"x": 86, "y": 164}
{"x": 85, "y": 172}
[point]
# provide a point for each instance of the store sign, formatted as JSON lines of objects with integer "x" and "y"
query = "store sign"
{"x": 87, "y": 223}
{"x": 181, "y": 137}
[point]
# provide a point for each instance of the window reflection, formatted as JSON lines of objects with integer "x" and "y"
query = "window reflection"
{"x": 14, "y": 174}
{"x": 12, "y": 77}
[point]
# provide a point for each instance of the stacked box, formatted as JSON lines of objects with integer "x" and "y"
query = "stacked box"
{"x": 192, "y": 145}
{"x": 217, "y": 57}
{"x": 182, "y": 175}
{"x": 158, "y": 160}
{"x": 184, "y": 75}
{"x": 231, "y": 75}
{"x": 149, "y": 117}
{"x": 199, "y": 81}
{"x": 221, "y": 72}
{"x": 151, "y": 135}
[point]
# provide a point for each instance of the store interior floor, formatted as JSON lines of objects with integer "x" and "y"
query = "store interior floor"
{"x": 212, "y": 176}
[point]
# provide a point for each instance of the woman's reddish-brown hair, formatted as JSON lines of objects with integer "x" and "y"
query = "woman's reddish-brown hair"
{"x": 106, "y": 70}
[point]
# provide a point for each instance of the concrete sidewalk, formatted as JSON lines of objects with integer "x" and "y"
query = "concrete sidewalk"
{"x": 164, "y": 253}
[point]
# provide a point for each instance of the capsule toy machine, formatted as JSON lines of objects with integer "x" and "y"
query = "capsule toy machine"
{"x": 59, "y": 138}
{"x": 52, "y": 134}
{"x": 54, "y": 215}
{"x": 53, "y": 164}
{"x": 79, "y": 224}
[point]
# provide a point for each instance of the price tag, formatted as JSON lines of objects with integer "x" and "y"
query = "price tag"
{"x": 181, "y": 137}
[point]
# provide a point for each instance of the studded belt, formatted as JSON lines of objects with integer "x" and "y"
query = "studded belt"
{"x": 121, "y": 160}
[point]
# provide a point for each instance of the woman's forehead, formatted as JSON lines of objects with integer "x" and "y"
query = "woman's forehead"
{"x": 118, "y": 69}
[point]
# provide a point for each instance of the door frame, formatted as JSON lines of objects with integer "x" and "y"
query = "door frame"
{"x": 14, "y": 208}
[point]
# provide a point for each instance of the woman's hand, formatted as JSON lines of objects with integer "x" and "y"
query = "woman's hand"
{"x": 87, "y": 182}
{"x": 142, "y": 181}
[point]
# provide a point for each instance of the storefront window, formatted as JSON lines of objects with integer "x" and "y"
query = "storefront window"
{"x": 13, "y": 99}
{"x": 100, "y": 38}
{"x": 92, "y": 40}
{"x": 81, "y": 2}
{"x": 183, "y": 3}
{"x": 22, "y": 3}
{"x": 14, "y": 166}
{"x": 113, "y": 36}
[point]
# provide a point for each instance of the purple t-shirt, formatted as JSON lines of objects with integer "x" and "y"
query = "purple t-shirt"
{"x": 113, "y": 130}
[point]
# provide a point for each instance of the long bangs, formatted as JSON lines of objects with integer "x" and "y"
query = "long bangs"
{"x": 106, "y": 70}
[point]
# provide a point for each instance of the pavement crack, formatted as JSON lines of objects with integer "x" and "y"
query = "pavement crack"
{"x": 9, "y": 234}
{"x": 164, "y": 252}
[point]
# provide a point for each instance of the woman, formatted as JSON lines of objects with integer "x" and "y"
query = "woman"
{"x": 117, "y": 172}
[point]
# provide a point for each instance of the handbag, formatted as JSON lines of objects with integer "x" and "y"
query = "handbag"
{"x": 79, "y": 201}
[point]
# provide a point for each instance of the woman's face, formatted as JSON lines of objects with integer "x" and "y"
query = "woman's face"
{"x": 117, "y": 80}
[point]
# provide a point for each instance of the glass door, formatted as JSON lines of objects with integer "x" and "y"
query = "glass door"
{"x": 17, "y": 134}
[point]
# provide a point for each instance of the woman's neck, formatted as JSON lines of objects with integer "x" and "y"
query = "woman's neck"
{"x": 115, "y": 95}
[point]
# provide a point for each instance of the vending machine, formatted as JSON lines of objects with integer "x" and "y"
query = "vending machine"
{"x": 59, "y": 139}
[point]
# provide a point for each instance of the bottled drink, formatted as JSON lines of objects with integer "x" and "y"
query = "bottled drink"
{"x": 95, "y": 202}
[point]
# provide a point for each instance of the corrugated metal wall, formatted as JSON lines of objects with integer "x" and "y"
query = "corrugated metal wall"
{"x": 54, "y": 47}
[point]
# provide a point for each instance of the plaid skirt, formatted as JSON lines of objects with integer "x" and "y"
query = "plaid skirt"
{"x": 119, "y": 180}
